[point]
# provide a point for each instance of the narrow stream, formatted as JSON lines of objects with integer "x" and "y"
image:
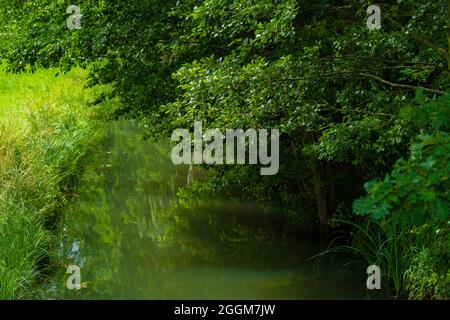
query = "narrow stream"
{"x": 132, "y": 239}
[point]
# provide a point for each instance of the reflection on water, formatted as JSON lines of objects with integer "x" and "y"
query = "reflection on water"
{"x": 133, "y": 239}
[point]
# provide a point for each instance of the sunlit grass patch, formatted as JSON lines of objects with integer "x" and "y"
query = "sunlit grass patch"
{"x": 46, "y": 130}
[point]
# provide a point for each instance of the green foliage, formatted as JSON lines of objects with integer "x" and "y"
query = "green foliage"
{"x": 414, "y": 197}
{"x": 425, "y": 280}
{"x": 302, "y": 68}
{"x": 417, "y": 190}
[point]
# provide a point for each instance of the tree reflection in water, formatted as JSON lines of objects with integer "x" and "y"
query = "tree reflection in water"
{"x": 135, "y": 239}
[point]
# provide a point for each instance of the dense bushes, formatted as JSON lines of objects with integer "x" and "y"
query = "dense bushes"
{"x": 412, "y": 204}
{"x": 428, "y": 276}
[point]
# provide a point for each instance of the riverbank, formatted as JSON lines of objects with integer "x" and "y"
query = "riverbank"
{"x": 46, "y": 131}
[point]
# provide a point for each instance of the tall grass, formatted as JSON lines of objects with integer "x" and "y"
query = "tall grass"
{"x": 46, "y": 131}
{"x": 373, "y": 244}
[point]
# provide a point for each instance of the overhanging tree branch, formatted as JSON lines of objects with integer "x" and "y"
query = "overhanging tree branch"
{"x": 398, "y": 85}
{"x": 444, "y": 53}
{"x": 374, "y": 77}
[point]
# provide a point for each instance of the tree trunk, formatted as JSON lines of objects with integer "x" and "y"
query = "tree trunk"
{"x": 325, "y": 193}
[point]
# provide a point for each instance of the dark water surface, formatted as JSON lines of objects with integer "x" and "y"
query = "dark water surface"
{"x": 132, "y": 239}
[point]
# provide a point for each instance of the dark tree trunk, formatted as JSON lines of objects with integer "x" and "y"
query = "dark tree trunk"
{"x": 325, "y": 193}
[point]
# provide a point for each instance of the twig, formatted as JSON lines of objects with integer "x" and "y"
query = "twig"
{"x": 399, "y": 85}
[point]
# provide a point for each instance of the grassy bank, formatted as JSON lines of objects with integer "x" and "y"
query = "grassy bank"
{"x": 46, "y": 132}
